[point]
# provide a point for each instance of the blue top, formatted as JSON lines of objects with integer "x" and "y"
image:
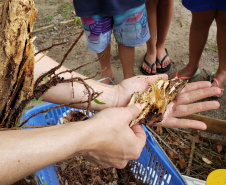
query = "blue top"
{"x": 85, "y": 8}
{"x": 202, "y": 5}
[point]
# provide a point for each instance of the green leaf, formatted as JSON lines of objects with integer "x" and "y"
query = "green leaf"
{"x": 98, "y": 102}
{"x": 18, "y": 123}
{"x": 45, "y": 183}
{"x": 38, "y": 101}
{"x": 28, "y": 108}
{"x": 46, "y": 79}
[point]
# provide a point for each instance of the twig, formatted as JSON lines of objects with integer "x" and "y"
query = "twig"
{"x": 51, "y": 25}
{"x": 53, "y": 45}
{"x": 42, "y": 56}
{"x": 43, "y": 28}
{"x": 160, "y": 139}
{"x": 91, "y": 95}
{"x": 47, "y": 110}
{"x": 191, "y": 156}
{"x": 52, "y": 71}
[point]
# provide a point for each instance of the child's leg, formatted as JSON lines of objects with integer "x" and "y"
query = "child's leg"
{"x": 98, "y": 33}
{"x": 164, "y": 16}
{"x": 201, "y": 22}
{"x": 221, "y": 42}
{"x": 105, "y": 64}
{"x": 130, "y": 29}
{"x": 126, "y": 54}
{"x": 151, "y": 7}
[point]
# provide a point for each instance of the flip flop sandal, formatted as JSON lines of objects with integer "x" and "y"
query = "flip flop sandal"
{"x": 149, "y": 65}
{"x": 107, "y": 78}
{"x": 189, "y": 78}
{"x": 215, "y": 80}
{"x": 163, "y": 70}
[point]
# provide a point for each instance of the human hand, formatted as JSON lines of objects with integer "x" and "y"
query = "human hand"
{"x": 128, "y": 86}
{"x": 111, "y": 142}
{"x": 183, "y": 105}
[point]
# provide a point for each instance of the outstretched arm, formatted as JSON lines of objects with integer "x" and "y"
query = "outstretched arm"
{"x": 113, "y": 96}
{"x": 103, "y": 139}
{"x": 119, "y": 96}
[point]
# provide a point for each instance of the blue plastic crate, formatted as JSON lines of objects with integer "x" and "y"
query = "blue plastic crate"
{"x": 153, "y": 166}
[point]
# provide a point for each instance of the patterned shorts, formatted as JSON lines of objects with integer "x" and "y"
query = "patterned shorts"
{"x": 130, "y": 29}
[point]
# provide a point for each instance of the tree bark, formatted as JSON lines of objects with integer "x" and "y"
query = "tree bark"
{"x": 17, "y": 18}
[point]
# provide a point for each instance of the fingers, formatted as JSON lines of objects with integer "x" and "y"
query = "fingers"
{"x": 196, "y": 85}
{"x": 185, "y": 110}
{"x": 138, "y": 130}
{"x": 192, "y": 96}
{"x": 134, "y": 111}
{"x": 182, "y": 123}
{"x": 140, "y": 133}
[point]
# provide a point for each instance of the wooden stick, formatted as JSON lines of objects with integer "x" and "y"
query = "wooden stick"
{"x": 51, "y": 25}
{"x": 213, "y": 125}
{"x": 160, "y": 139}
{"x": 43, "y": 28}
{"x": 191, "y": 156}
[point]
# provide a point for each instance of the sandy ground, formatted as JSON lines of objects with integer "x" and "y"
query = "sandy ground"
{"x": 55, "y": 12}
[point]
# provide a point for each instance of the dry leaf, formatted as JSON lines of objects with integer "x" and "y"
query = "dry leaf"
{"x": 63, "y": 167}
{"x": 182, "y": 163}
{"x": 219, "y": 148}
{"x": 187, "y": 151}
{"x": 207, "y": 161}
{"x": 178, "y": 141}
{"x": 181, "y": 146}
{"x": 170, "y": 154}
{"x": 181, "y": 23}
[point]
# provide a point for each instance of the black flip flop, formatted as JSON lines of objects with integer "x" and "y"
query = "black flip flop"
{"x": 149, "y": 65}
{"x": 163, "y": 70}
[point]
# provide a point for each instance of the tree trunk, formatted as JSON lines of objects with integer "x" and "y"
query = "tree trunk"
{"x": 17, "y": 18}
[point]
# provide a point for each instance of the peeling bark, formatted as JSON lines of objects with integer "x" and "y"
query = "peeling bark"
{"x": 17, "y": 18}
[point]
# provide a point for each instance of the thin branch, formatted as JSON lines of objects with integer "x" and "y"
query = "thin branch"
{"x": 52, "y": 71}
{"x": 53, "y": 45}
{"x": 191, "y": 156}
{"x": 42, "y": 56}
{"x": 160, "y": 139}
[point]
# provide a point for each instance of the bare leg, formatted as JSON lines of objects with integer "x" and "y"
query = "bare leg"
{"x": 126, "y": 55}
{"x": 199, "y": 30}
{"x": 164, "y": 17}
{"x": 105, "y": 64}
{"x": 151, "y": 7}
{"x": 221, "y": 43}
